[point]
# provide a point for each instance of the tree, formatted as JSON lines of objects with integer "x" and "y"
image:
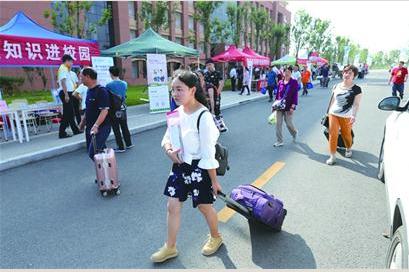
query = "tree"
{"x": 320, "y": 36}
{"x": 203, "y": 11}
{"x": 363, "y": 57}
{"x": 378, "y": 60}
{"x": 70, "y": 17}
{"x": 340, "y": 48}
{"x": 220, "y": 31}
{"x": 155, "y": 16}
{"x": 259, "y": 18}
{"x": 235, "y": 14}
{"x": 300, "y": 32}
{"x": 353, "y": 52}
{"x": 392, "y": 58}
{"x": 280, "y": 34}
{"x": 245, "y": 16}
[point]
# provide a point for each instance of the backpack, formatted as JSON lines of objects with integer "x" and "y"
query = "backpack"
{"x": 116, "y": 105}
{"x": 222, "y": 154}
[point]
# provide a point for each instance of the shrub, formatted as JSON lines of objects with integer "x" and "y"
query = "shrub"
{"x": 11, "y": 84}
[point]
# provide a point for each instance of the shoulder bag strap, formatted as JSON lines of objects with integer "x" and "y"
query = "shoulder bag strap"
{"x": 332, "y": 95}
{"x": 198, "y": 119}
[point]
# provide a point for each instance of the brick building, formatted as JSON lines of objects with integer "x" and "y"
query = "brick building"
{"x": 126, "y": 23}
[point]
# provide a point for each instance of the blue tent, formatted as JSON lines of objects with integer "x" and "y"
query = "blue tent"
{"x": 23, "y": 26}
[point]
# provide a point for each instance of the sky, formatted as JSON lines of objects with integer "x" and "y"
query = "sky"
{"x": 376, "y": 25}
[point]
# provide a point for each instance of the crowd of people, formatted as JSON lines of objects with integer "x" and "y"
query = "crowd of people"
{"x": 197, "y": 96}
{"x": 86, "y": 107}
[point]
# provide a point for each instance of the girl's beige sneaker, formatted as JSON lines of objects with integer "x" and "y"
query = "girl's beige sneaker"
{"x": 212, "y": 245}
{"x": 164, "y": 253}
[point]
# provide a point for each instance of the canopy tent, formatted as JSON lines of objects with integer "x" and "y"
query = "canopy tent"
{"x": 23, "y": 42}
{"x": 232, "y": 54}
{"x": 314, "y": 60}
{"x": 318, "y": 60}
{"x": 150, "y": 42}
{"x": 284, "y": 60}
{"x": 258, "y": 60}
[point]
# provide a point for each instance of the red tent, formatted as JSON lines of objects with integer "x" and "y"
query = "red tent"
{"x": 258, "y": 60}
{"x": 232, "y": 54}
{"x": 26, "y": 43}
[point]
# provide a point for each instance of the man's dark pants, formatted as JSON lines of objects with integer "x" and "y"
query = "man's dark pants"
{"x": 68, "y": 116}
{"x": 398, "y": 88}
{"x": 270, "y": 89}
{"x": 100, "y": 139}
{"x": 233, "y": 84}
{"x": 118, "y": 125}
{"x": 76, "y": 106}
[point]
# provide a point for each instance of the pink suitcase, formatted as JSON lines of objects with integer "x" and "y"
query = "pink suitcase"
{"x": 107, "y": 172}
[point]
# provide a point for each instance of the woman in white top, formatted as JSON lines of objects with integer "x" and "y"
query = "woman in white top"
{"x": 194, "y": 170}
{"x": 344, "y": 106}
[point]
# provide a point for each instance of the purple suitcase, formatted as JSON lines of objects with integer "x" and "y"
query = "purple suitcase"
{"x": 254, "y": 203}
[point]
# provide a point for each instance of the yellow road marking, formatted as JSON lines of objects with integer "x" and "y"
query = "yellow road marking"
{"x": 226, "y": 213}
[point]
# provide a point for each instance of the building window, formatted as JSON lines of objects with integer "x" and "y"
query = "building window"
{"x": 132, "y": 34}
{"x": 178, "y": 21}
{"x": 135, "y": 69}
{"x": 131, "y": 9}
{"x": 178, "y": 40}
{"x": 191, "y": 23}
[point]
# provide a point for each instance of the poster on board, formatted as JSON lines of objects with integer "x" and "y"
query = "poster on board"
{"x": 101, "y": 66}
{"x": 157, "y": 69}
{"x": 159, "y": 98}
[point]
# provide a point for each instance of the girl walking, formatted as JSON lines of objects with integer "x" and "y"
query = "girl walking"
{"x": 194, "y": 170}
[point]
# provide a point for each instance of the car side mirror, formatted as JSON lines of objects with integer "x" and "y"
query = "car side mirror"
{"x": 389, "y": 103}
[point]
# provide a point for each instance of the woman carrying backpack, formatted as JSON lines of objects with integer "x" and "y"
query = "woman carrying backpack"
{"x": 193, "y": 171}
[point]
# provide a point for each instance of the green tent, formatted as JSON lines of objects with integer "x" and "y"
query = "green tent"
{"x": 149, "y": 42}
{"x": 284, "y": 60}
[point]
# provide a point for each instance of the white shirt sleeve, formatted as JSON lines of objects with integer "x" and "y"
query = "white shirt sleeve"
{"x": 166, "y": 138}
{"x": 208, "y": 135}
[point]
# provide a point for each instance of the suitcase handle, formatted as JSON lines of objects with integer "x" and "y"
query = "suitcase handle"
{"x": 94, "y": 142}
{"x": 234, "y": 205}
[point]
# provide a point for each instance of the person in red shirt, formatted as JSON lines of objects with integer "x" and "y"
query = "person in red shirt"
{"x": 399, "y": 76}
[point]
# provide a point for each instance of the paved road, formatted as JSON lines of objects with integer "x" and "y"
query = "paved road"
{"x": 52, "y": 215}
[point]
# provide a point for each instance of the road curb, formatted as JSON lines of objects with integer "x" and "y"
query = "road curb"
{"x": 60, "y": 150}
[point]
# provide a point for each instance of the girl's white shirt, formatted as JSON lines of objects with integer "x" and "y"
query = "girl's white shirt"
{"x": 197, "y": 147}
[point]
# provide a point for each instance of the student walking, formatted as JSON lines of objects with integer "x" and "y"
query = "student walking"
{"x": 119, "y": 123}
{"x": 194, "y": 170}
{"x": 96, "y": 112}
{"x": 344, "y": 105}
{"x": 246, "y": 81}
{"x": 288, "y": 93}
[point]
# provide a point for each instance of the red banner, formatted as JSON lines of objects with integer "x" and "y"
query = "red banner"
{"x": 22, "y": 51}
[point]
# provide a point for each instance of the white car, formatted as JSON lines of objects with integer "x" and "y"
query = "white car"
{"x": 394, "y": 171}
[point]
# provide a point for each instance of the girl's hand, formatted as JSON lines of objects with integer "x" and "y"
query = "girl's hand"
{"x": 352, "y": 120}
{"x": 216, "y": 187}
{"x": 173, "y": 155}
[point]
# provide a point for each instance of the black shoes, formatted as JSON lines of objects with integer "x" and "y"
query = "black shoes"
{"x": 64, "y": 136}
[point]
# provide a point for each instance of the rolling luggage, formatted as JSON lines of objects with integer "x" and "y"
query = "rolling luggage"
{"x": 255, "y": 204}
{"x": 340, "y": 143}
{"x": 106, "y": 170}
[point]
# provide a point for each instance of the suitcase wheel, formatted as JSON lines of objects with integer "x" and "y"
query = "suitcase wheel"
{"x": 104, "y": 193}
{"x": 118, "y": 191}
